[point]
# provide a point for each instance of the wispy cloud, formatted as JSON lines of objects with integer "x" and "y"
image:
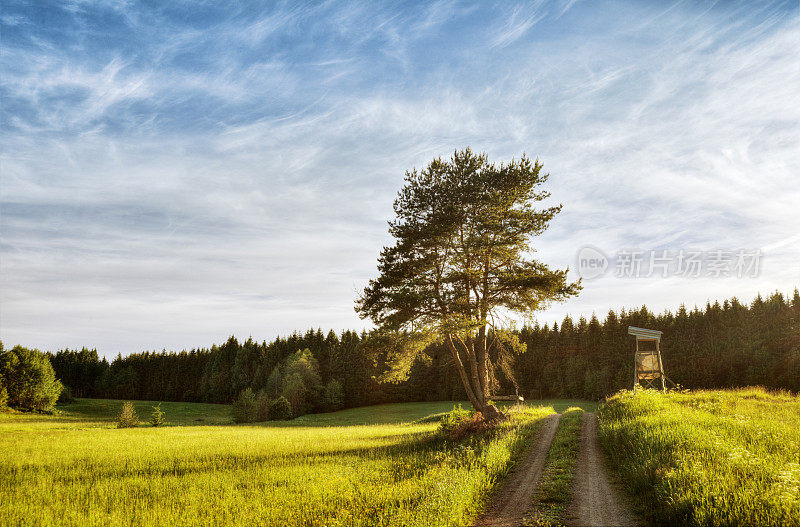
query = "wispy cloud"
{"x": 517, "y": 25}
{"x": 171, "y": 176}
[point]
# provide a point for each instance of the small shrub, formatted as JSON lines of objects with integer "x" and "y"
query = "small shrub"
{"x": 475, "y": 424}
{"x": 244, "y": 407}
{"x": 157, "y": 417}
{"x": 452, "y": 419}
{"x": 280, "y": 409}
{"x": 127, "y": 417}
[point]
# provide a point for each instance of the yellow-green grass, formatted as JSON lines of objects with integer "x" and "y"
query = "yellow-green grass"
{"x": 707, "y": 457}
{"x": 555, "y": 487}
{"x": 365, "y": 466}
{"x": 565, "y": 405}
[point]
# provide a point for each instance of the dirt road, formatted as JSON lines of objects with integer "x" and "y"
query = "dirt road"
{"x": 516, "y": 497}
{"x": 594, "y": 499}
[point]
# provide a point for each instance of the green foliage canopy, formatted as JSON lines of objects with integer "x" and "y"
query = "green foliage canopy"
{"x": 28, "y": 379}
{"x": 280, "y": 409}
{"x": 244, "y": 407}
{"x": 333, "y": 396}
{"x": 302, "y": 384}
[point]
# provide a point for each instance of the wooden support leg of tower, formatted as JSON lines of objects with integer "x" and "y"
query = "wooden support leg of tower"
{"x": 635, "y": 367}
{"x": 661, "y": 368}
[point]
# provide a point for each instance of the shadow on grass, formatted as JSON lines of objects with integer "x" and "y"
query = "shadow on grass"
{"x": 89, "y": 470}
{"x": 410, "y": 456}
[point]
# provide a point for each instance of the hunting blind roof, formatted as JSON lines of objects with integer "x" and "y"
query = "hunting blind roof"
{"x": 644, "y": 334}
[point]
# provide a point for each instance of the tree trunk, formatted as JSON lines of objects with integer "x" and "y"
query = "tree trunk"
{"x": 476, "y": 403}
{"x": 477, "y": 385}
{"x": 472, "y": 384}
{"x": 491, "y": 413}
{"x": 481, "y": 360}
{"x": 483, "y": 312}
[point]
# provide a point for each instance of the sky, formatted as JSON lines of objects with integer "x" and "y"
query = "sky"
{"x": 175, "y": 173}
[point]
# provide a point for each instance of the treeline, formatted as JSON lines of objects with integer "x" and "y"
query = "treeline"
{"x": 221, "y": 373}
{"x": 722, "y": 345}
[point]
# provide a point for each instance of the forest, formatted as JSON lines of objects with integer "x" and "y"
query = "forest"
{"x": 722, "y": 345}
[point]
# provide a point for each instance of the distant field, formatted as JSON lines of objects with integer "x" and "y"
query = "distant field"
{"x": 366, "y": 466}
{"x": 102, "y": 413}
{"x": 707, "y": 457}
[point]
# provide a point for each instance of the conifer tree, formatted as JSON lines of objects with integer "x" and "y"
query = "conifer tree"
{"x": 461, "y": 257}
{"x": 157, "y": 417}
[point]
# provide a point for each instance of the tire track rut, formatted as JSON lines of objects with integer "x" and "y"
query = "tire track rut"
{"x": 595, "y": 501}
{"x": 508, "y": 507}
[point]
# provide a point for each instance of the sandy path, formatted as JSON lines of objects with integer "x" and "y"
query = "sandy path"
{"x": 594, "y": 499}
{"x": 508, "y": 506}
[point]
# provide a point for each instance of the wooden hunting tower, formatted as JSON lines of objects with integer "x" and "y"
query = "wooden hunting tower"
{"x": 648, "y": 368}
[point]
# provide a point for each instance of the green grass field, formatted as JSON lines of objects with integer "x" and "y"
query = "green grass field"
{"x": 707, "y": 457}
{"x": 366, "y": 466}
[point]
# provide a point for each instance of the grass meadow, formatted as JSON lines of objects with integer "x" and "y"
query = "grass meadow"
{"x": 378, "y": 465}
{"x": 707, "y": 457}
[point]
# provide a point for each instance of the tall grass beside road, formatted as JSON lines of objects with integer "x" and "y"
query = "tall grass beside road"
{"x": 728, "y": 457}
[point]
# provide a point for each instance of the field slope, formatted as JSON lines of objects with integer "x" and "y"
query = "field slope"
{"x": 380, "y": 465}
{"x": 707, "y": 457}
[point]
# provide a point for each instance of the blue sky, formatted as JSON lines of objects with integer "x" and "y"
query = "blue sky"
{"x": 174, "y": 173}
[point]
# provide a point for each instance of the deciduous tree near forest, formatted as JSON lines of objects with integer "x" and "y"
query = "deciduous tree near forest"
{"x": 28, "y": 379}
{"x": 462, "y": 258}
